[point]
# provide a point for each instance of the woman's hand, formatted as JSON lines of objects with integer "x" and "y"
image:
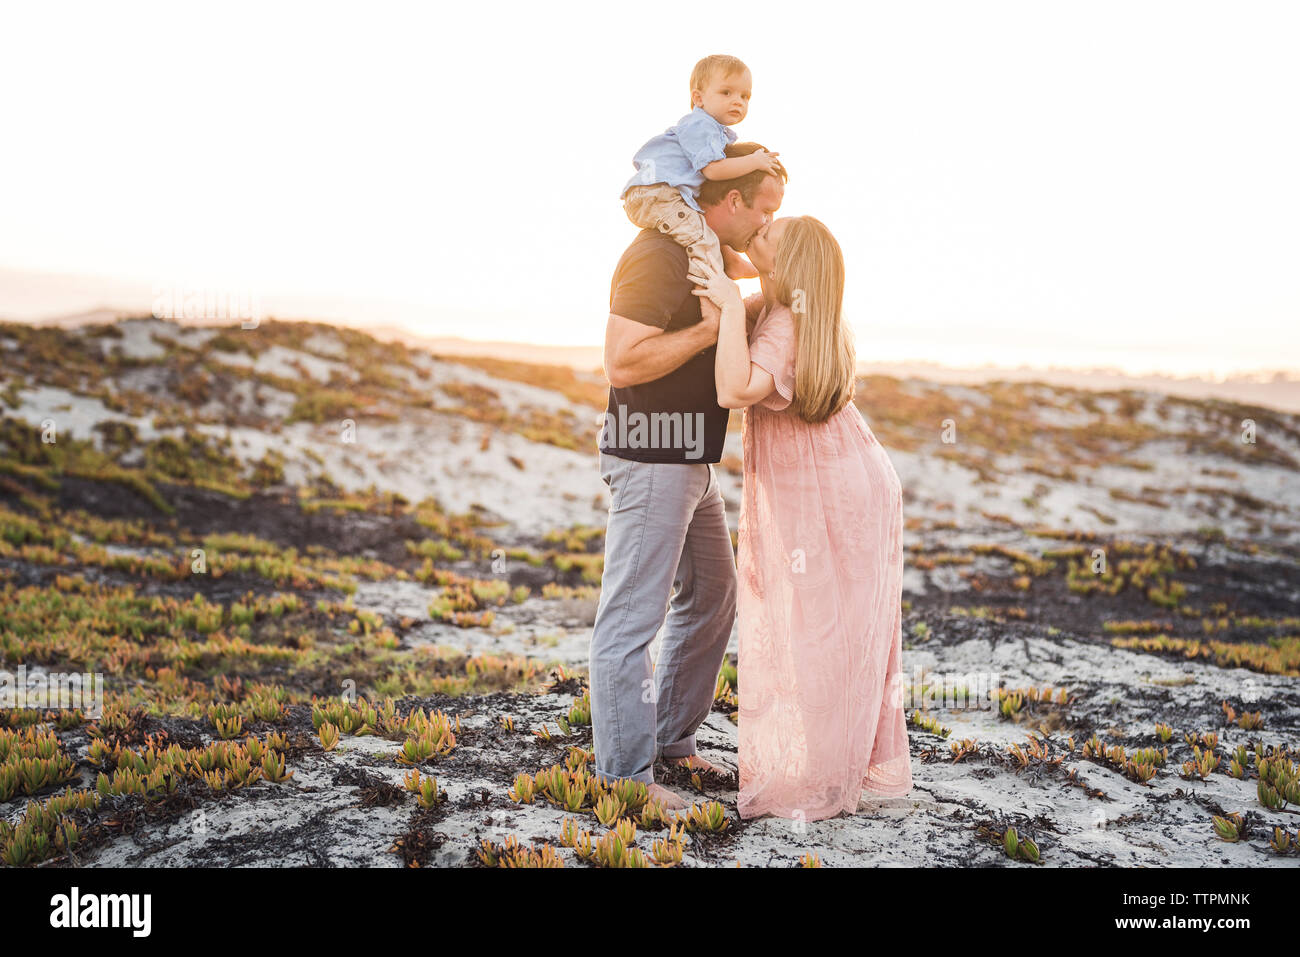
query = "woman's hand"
{"x": 717, "y": 288}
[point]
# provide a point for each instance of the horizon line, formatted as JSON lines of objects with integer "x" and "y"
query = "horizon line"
{"x": 1258, "y": 375}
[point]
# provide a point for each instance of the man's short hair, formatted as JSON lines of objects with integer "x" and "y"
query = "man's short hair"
{"x": 713, "y": 191}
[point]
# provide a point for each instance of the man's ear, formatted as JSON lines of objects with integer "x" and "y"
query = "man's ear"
{"x": 734, "y": 200}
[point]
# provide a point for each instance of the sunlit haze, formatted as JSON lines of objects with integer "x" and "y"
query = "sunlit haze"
{"x": 1093, "y": 184}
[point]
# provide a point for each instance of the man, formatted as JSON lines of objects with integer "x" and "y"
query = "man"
{"x": 664, "y": 431}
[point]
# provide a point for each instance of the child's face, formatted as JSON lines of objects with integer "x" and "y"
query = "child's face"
{"x": 727, "y": 97}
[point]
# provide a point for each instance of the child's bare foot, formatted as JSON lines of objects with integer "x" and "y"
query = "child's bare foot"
{"x": 736, "y": 265}
{"x": 670, "y": 799}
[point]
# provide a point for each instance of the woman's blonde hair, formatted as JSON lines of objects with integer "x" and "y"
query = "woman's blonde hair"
{"x": 810, "y": 280}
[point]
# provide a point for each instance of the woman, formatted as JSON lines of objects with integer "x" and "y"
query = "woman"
{"x": 821, "y": 552}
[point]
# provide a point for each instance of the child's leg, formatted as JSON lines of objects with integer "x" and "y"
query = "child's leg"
{"x": 707, "y": 249}
{"x": 661, "y": 207}
{"x": 658, "y": 207}
{"x": 724, "y": 260}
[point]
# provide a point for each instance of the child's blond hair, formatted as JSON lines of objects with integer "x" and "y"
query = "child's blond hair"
{"x": 718, "y": 63}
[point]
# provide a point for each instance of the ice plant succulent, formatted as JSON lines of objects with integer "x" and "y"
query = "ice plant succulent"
{"x": 273, "y": 767}
{"x": 707, "y": 817}
{"x": 428, "y": 736}
{"x": 578, "y": 758}
{"x": 666, "y": 852}
{"x": 1225, "y": 829}
{"x": 608, "y": 810}
{"x": 653, "y": 814}
{"x": 1017, "y": 847}
{"x": 612, "y": 851}
{"x": 1009, "y": 702}
{"x": 429, "y": 794}
{"x": 510, "y": 854}
{"x": 963, "y": 748}
{"x": 570, "y": 833}
{"x": 1202, "y": 764}
{"x": 580, "y": 712}
{"x": 927, "y": 723}
{"x": 1282, "y": 841}
{"x": 1279, "y": 783}
{"x": 524, "y": 789}
{"x": 631, "y": 792}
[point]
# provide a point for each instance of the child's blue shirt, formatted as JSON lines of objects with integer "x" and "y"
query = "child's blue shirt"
{"x": 677, "y": 155}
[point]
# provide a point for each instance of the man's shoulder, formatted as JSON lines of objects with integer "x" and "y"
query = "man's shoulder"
{"x": 652, "y": 250}
{"x": 652, "y": 282}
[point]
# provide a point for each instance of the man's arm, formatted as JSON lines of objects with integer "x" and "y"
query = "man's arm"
{"x": 637, "y": 353}
{"x": 651, "y": 286}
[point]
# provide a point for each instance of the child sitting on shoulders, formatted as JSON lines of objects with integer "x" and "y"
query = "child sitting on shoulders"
{"x": 671, "y": 167}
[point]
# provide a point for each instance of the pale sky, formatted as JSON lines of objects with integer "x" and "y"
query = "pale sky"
{"x": 1083, "y": 184}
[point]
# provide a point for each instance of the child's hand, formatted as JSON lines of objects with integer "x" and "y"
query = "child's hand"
{"x": 766, "y": 161}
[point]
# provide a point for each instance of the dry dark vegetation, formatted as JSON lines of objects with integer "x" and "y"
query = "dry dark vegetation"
{"x": 215, "y": 598}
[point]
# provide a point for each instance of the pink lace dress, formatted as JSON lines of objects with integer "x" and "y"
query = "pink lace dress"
{"x": 820, "y": 604}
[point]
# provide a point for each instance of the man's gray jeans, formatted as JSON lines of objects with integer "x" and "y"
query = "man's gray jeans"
{"x": 667, "y": 528}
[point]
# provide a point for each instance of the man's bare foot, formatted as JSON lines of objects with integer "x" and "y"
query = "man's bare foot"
{"x": 736, "y": 265}
{"x": 670, "y": 799}
{"x": 696, "y": 763}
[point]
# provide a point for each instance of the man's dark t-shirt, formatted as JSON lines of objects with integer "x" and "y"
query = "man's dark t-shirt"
{"x": 675, "y": 418}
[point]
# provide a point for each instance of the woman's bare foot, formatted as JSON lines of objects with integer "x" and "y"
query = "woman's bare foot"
{"x": 670, "y": 799}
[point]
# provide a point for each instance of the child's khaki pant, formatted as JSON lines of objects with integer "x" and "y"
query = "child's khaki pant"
{"x": 661, "y": 207}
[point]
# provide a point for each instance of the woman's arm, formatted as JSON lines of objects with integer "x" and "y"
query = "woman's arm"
{"x": 753, "y": 306}
{"x": 738, "y": 381}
